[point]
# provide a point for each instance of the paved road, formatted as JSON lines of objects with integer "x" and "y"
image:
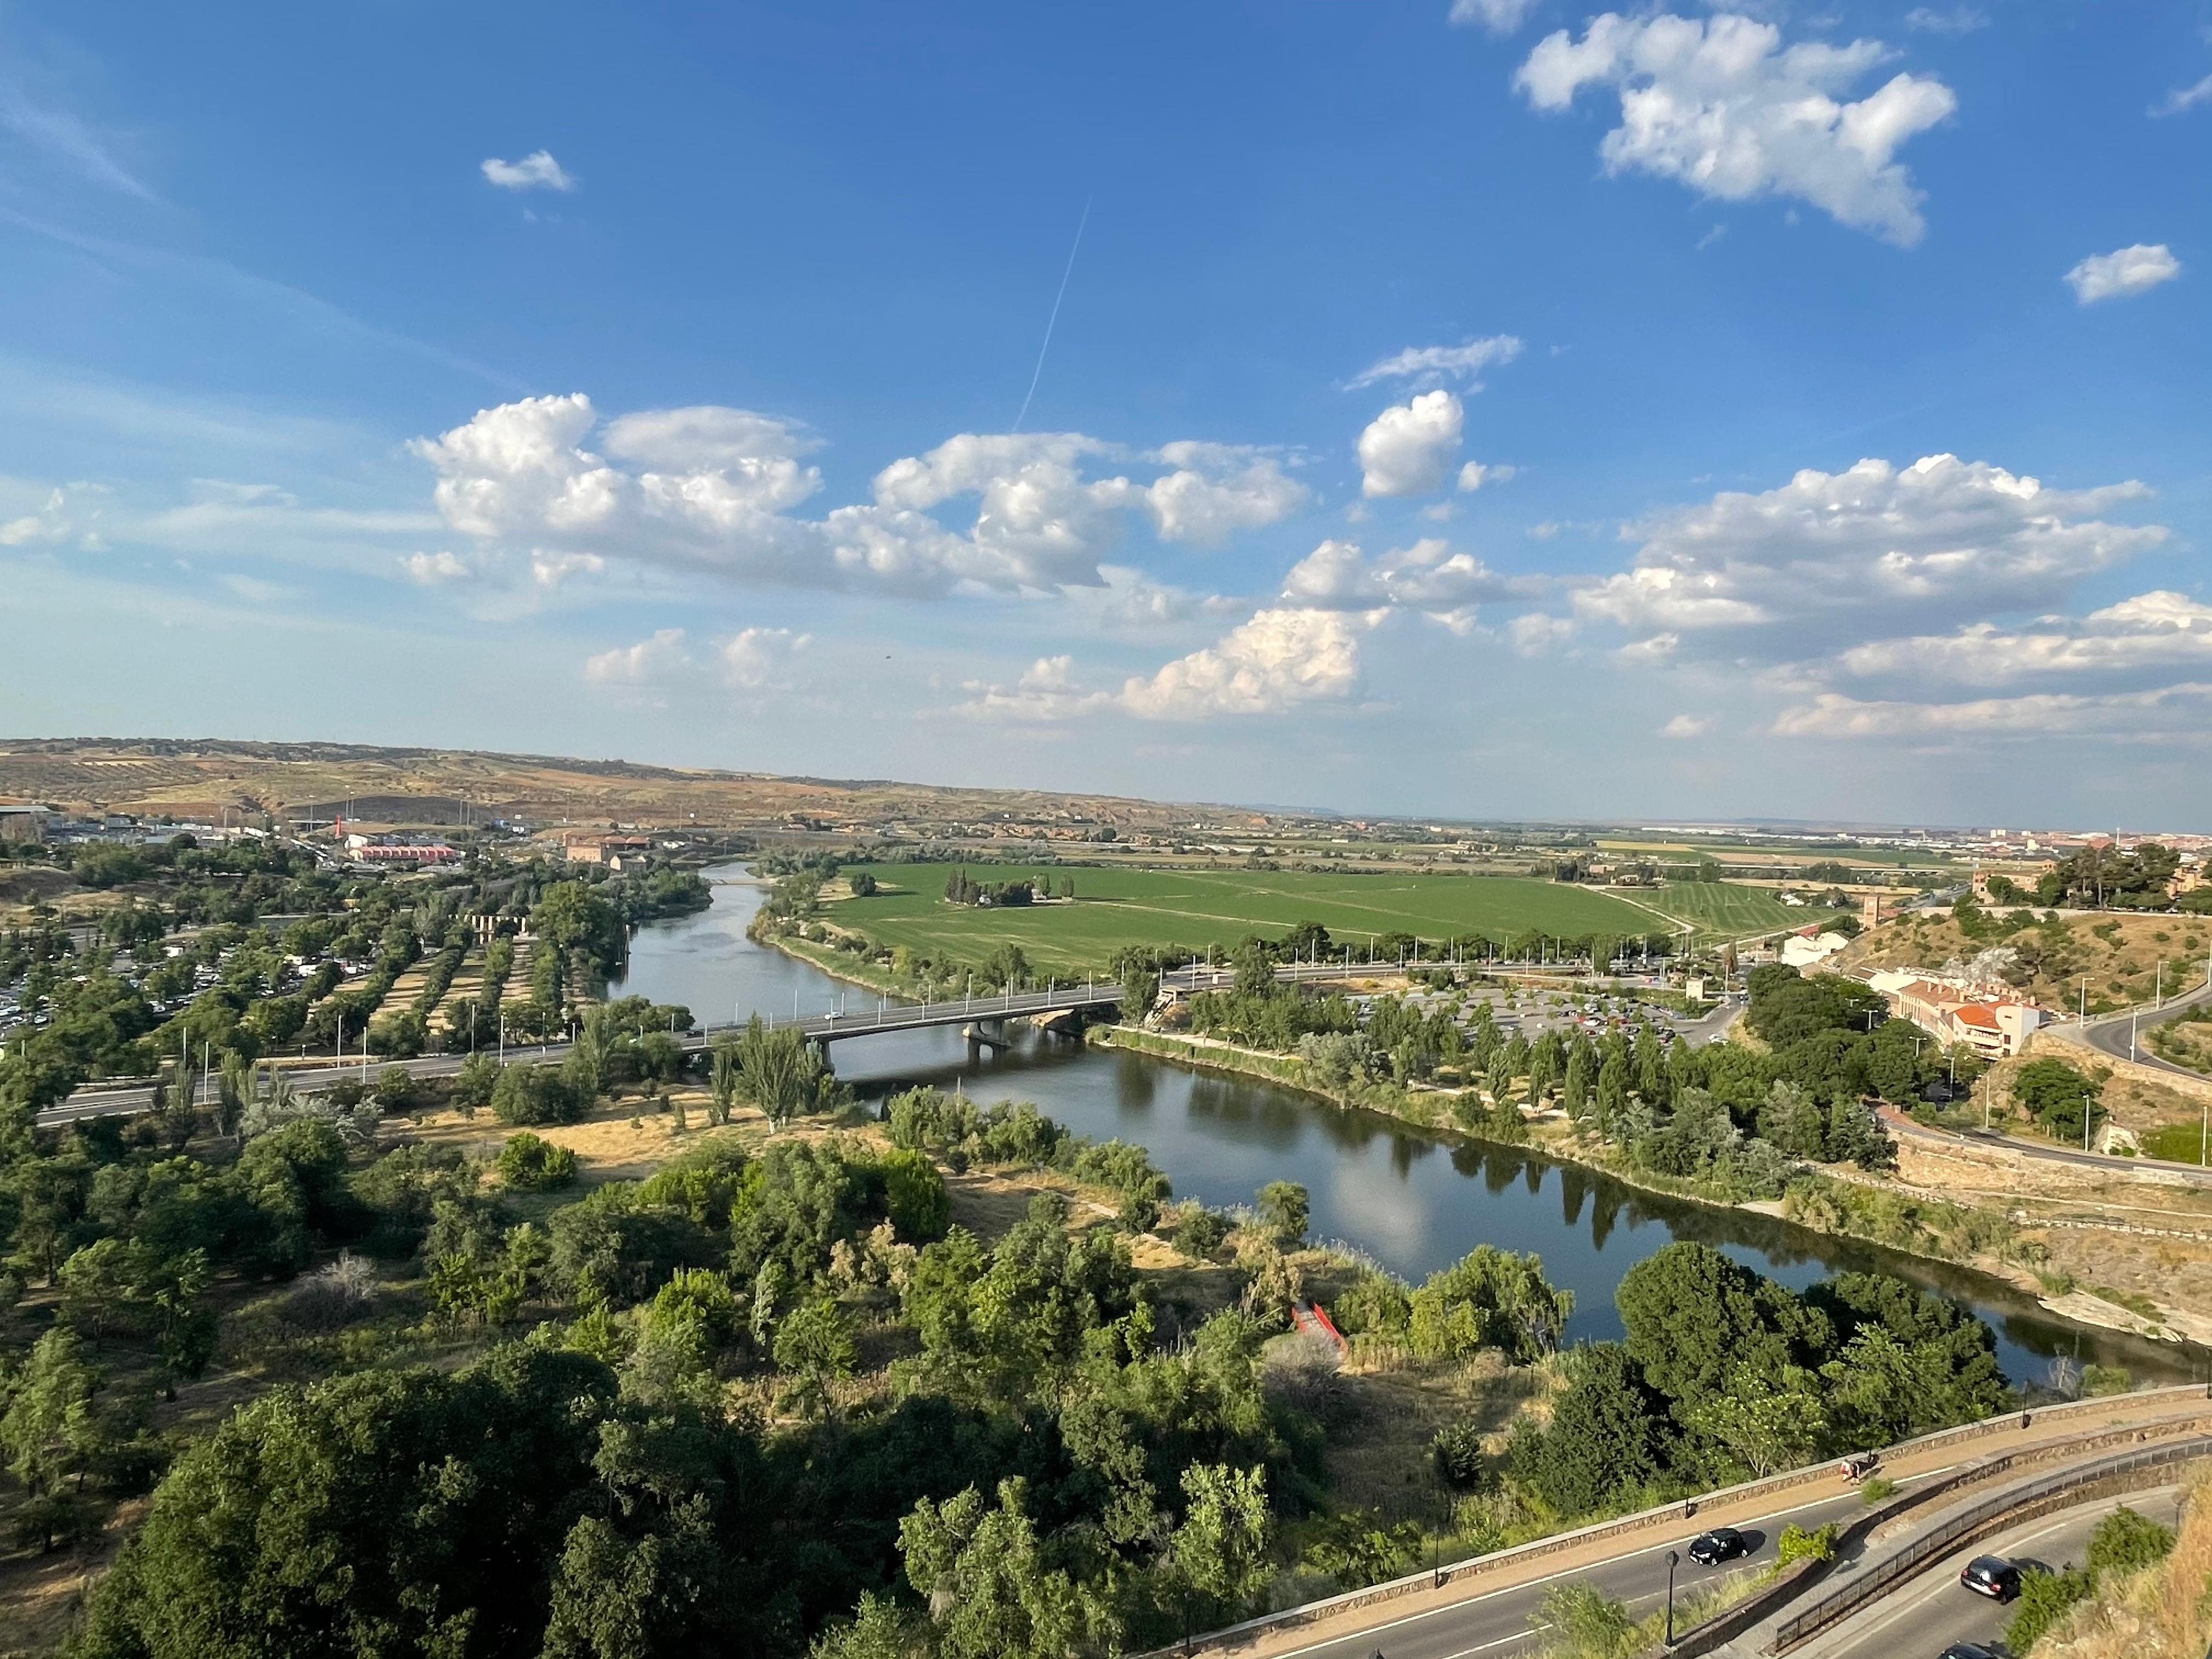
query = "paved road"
{"x": 1499, "y": 1623}
{"x": 1929, "y": 1613}
{"x": 1897, "y": 1123}
{"x": 2117, "y": 1034}
{"x": 1452, "y": 1625}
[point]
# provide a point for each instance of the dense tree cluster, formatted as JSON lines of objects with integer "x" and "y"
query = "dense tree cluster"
{"x": 957, "y": 1132}
{"x": 1046, "y": 1470}
{"x": 1724, "y": 1374}
{"x": 2104, "y": 877}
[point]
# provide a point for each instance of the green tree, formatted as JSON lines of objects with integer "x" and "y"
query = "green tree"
{"x": 1766, "y": 1422}
{"x": 915, "y": 1198}
{"x": 814, "y": 1345}
{"x": 48, "y": 1427}
{"x": 1604, "y": 1439}
{"x": 2055, "y": 1094}
{"x": 1284, "y": 1209}
{"x": 419, "y": 1512}
{"x": 1692, "y": 1317}
{"x": 1220, "y": 1550}
{"x": 990, "y": 1592}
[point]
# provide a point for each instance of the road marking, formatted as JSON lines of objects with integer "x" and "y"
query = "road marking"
{"x": 1368, "y": 1631}
{"x": 1851, "y": 1640}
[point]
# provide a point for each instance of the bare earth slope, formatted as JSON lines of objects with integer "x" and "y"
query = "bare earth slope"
{"x": 196, "y": 777}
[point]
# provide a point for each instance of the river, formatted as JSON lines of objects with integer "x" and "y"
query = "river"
{"x": 1414, "y": 1201}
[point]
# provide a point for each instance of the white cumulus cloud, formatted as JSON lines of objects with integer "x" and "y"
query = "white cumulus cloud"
{"x": 2123, "y": 272}
{"x": 1720, "y": 105}
{"x": 2149, "y": 634}
{"x": 434, "y": 570}
{"x": 1429, "y": 576}
{"x": 760, "y": 659}
{"x": 2163, "y": 714}
{"x": 1687, "y": 725}
{"x": 1407, "y": 448}
{"x": 711, "y": 488}
{"x": 1280, "y": 658}
{"x": 1830, "y": 559}
{"x": 1429, "y": 366}
{"x": 536, "y": 171}
{"x": 647, "y": 662}
{"x": 1474, "y": 475}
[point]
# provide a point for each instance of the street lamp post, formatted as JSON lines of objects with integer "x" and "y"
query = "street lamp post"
{"x": 1673, "y": 1560}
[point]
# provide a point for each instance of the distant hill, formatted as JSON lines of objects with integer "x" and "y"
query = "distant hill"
{"x": 293, "y": 781}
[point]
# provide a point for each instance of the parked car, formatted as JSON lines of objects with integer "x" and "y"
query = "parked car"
{"x": 1991, "y": 1576}
{"x": 1720, "y": 1544}
{"x": 1968, "y": 1650}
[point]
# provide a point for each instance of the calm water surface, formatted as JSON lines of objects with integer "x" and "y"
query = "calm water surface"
{"x": 1414, "y": 1201}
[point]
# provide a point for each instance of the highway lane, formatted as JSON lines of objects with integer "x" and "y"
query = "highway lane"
{"x": 2116, "y": 1034}
{"x": 1499, "y": 1623}
{"x": 1929, "y": 1613}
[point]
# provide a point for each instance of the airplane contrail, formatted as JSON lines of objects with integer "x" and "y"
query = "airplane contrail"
{"x": 1039, "y": 372}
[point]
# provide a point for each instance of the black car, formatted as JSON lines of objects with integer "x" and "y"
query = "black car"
{"x": 1720, "y": 1544}
{"x": 1991, "y": 1576}
{"x": 1967, "y": 1650}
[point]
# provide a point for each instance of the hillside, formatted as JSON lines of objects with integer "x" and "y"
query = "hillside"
{"x": 2047, "y": 959}
{"x": 195, "y": 778}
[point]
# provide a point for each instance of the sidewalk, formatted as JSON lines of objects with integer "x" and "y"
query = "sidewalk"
{"x": 1477, "y": 1581}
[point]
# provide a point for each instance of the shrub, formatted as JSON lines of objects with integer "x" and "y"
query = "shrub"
{"x": 2126, "y": 1542}
{"x": 397, "y": 1091}
{"x": 1798, "y": 1545}
{"x": 1200, "y": 1233}
{"x": 2044, "y": 1599}
{"x": 474, "y": 1082}
{"x": 1458, "y": 1449}
{"x": 332, "y": 1296}
{"x": 915, "y": 1197}
{"x": 532, "y": 1164}
{"x": 535, "y": 1094}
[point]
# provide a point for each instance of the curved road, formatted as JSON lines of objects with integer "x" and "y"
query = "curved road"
{"x": 1494, "y": 1615}
{"x": 2110, "y": 1034}
{"x": 1927, "y": 1613}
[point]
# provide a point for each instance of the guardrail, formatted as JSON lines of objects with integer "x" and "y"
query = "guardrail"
{"x": 2058, "y": 1491}
{"x": 1673, "y": 1514}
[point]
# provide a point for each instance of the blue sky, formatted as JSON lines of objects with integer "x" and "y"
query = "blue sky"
{"x": 1492, "y": 409}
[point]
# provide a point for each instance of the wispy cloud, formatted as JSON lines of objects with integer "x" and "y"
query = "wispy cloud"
{"x": 295, "y": 304}
{"x": 1430, "y": 366}
{"x": 62, "y": 136}
{"x": 536, "y": 171}
{"x": 1952, "y": 20}
{"x": 2182, "y": 98}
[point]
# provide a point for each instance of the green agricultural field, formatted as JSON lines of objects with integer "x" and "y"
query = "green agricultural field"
{"x": 1196, "y": 908}
{"x": 1720, "y": 910}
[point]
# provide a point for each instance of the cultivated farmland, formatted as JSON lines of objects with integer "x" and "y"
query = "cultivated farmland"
{"x": 1196, "y": 908}
{"x": 1720, "y": 910}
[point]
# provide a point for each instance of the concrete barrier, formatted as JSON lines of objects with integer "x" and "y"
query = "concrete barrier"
{"x": 1251, "y": 1630}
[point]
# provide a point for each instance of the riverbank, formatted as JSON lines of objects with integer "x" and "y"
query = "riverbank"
{"x": 1906, "y": 1221}
{"x": 1830, "y": 1217}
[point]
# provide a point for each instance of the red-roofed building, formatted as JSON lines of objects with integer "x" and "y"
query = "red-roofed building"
{"x": 1993, "y": 1027}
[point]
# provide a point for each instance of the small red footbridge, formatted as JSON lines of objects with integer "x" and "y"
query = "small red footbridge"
{"x": 1311, "y": 1319}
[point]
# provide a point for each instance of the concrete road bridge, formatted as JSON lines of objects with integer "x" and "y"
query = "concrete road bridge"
{"x": 984, "y": 1019}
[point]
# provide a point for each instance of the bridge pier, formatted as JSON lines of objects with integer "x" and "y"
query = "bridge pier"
{"x": 987, "y": 1034}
